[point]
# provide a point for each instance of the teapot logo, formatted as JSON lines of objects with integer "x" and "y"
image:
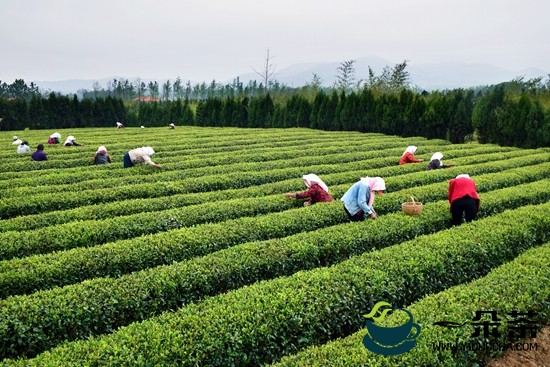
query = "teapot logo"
{"x": 389, "y": 341}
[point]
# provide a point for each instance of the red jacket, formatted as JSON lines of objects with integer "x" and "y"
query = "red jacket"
{"x": 408, "y": 158}
{"x": 316, "y": 194}
{"x": 461, "y": 187}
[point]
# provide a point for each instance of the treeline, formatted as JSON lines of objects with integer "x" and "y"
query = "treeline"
{"x": 392, "y": 79}
{"x": 516, "y": 120}
{"x": 139, "y": 90}
{"x": 496, "y": 116}
{"x": 437, "y": 115}
{"x": 58, "y": 111}
{"x": 519, "y": 121}
{"x": 18, "y": 90}
{"x": 167, "y": 91}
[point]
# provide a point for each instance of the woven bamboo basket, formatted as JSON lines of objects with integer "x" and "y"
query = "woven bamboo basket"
{"x": 412, "y": 207}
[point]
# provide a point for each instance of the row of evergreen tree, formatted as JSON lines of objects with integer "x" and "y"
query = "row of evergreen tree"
{"x": 391, "y": 80}
{"x": 452, "y": 115}
{"x": 517, "y": 120}
{"x": 167, "y": 91}
{"x": 58, "y": 111}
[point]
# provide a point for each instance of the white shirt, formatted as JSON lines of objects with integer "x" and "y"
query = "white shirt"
{"x": 140, "y": 156}
{"x": 23, "y": 149}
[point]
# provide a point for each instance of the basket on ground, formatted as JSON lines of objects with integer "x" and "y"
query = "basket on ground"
{"x": 412, "y": 207}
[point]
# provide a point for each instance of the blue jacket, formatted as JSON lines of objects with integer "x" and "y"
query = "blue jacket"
{"x": 357, "y": 198}
{"x": 39, "y": 155}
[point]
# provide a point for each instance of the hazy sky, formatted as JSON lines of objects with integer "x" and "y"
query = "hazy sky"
{"x": 200, "y": 40}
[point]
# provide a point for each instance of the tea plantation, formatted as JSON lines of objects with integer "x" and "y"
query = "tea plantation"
{"x": 204, "y": 262}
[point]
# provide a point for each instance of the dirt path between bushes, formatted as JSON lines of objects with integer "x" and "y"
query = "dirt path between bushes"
{"x": 527, "y": 358}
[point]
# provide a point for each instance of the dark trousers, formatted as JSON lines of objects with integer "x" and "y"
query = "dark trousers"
{"x": 127, "y": 160}
{"x": 358, "y": 217}
{"x": 463, "y": 206}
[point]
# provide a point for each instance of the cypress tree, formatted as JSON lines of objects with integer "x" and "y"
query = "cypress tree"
{"x": 18, "y": 115}
{"x": 347, "y": 114}
{"x": 367, "y": 105}
{"x": 458, "y": 126}
{"x": 253, "y": 113}
{"x": 340, "y": 102}
{"x": 403, "y": 118}
{"x": 240, "y": 115}
{"x": 537, "y": 127}
{"x": 226, "y": 112}
{"x": 518, "y": 131}
{"x": 215, "y": 111}
{"x": 110, "y": 109}
{"x": 188, "y": 118}
{"x": 76, "y": 120}
{"x": 390, "y": 117}
{"x": 176, "y": 112}
{"x": 291, "y": 111}
{"x": 277, "y": 120}
{"x": 87, "y": 113}
{"x": 484, "y": 115}
{"x": 267, "y": 108}
{"x": 330, "y": 111}
{"x": 199, "y": 115}
{"x": 315, "y": 109}
{"x": 37, "y": 113}
{"x": 99, "y": 110}
{"x": 414, "y": 114}
{"x": 303, "y": 113}
{"x": 433, "y": 120}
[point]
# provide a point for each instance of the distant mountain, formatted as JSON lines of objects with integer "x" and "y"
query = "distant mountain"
{"x": 66, "y": 86}
{"x": 299, "y": 74}
{"x": 425, "y": 76}
{"x": 449, "y": 76}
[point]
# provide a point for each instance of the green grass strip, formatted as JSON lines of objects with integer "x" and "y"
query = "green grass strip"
{"x": 142, "y": 205}
{"x": 261, "y": 323}
{"x": 44, "y": 271}
{"x": 102, "y": 305}
{"x": 520, "y": 285}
